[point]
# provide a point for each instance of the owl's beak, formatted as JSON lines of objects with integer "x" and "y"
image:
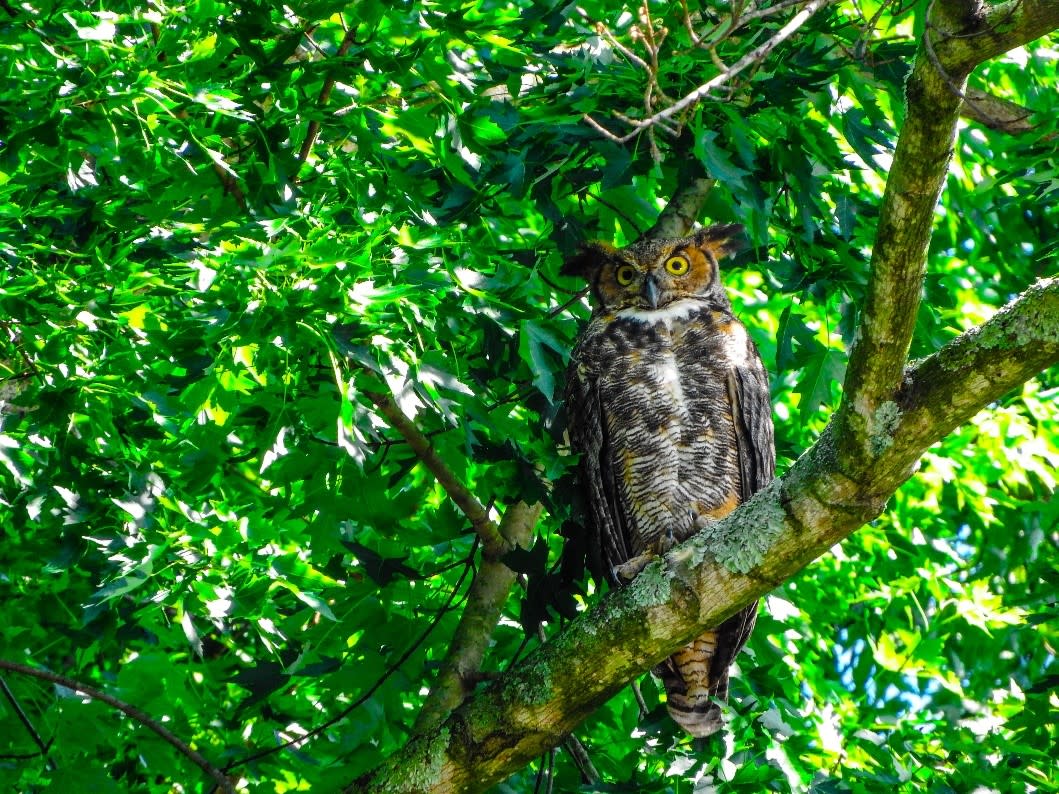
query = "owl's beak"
{"x": 650, "y": 291}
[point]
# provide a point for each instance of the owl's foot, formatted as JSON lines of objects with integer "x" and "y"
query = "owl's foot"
{"x": 628, "y": 570}
{"x": 700, "y": 521}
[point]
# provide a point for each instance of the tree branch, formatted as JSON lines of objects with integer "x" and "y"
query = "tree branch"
{"x": 313, "y": 130}
{"x": 756, "y": 55}
{"x": 711, "y": 576}
{"x": 493, "y": 542}
{"x": 471, "y": 638}
{"x": 934, "y": 92}
{"x": 1001, "y": 115}
{"x": 131, "y": 711}
{"x": 980, "y": 32}
{"x": 27, "y": 723}
{"x": 685, "y": 205}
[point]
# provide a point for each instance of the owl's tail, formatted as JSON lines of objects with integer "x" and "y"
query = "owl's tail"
{"x": 696, "y": 676}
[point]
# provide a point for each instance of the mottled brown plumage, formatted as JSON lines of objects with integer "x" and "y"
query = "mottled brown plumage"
{"x": 669, "y": 409}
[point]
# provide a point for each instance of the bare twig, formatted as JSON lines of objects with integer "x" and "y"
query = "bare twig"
{"x": 562, "y": 308}
{"x": 493, "y": 542}
{"x": 997, "y": 114}
{"x": 133, "y": 712}
{"x": 589, "y": 775}
{"x": 753, "y": 57}
{"x": 325, "y": 95}
{"x": 26, "y": 722}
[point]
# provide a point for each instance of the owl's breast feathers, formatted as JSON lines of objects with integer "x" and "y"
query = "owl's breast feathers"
{"x": 662, "y": 383}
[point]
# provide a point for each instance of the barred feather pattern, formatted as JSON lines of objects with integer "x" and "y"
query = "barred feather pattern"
{"x": 669, "y": 409}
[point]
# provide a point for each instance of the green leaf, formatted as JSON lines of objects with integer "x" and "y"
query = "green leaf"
{"x": 823, "y": 371}
{"x": 544, "y": 353}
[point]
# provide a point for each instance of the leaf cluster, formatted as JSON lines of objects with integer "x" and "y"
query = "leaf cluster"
{"x": 223, "y": 226}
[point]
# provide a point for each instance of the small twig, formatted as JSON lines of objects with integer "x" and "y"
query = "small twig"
{"x": 558, "y": 288}
{"x": 560, "y": 309}
{"x": 640, "y": 702}
{"x": 24, "y": 719}
{"x": 325, "y": 95}
{"x": 493, "y": 542}
{"x": 589, "y": 775}
{"x": 133, "y": 712}
{"x": 997, "y": 114}
{"x": 602, "y": 30}
{"x": 687, "y": 23}
{"x": 756, "y": 55}
{"x": 617, "y": 211}
{"x": 740, "y": 19}
{"x": 301, "y": 740}
{"x": 603, "y": 130}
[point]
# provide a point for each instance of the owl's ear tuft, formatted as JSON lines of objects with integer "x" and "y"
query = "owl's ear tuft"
{"x": 721, "y": 240}
{"x": 588, "y": 260}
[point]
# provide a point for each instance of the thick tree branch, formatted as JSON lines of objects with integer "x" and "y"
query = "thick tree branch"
{"x": 197, "y": 758}
{"x": 960, "y": 34}
{"x": 799, "y": 517}
{"x": 493, "y": 542}
{"x": 1001, "y": 115}
{"x": 920, "y": 165}
{"x": 490, "y": 590}
{"x": 981, "y": 365}
{"x": 978, "y": 32}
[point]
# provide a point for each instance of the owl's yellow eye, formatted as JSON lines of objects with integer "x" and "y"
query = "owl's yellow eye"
{"x": 625, "y": 275}
{"x": 677, "y": 265}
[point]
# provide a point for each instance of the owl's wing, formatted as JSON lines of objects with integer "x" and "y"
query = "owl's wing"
{"x": 748, "y": 390}
{"x": 588, "y": 434}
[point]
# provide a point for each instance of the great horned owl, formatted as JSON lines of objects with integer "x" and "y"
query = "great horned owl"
{"x": 669, "y": 408}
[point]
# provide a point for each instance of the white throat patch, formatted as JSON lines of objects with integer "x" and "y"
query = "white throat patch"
{"x": 677, "y": 310}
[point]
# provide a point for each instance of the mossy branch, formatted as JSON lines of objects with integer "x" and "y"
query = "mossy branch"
{"x": 959, "y": 35}
{"x": 976, "y": 32}
{"x": 463, "y": 660}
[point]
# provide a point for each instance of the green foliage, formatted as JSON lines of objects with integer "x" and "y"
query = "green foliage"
{"x": 222, "y": 225}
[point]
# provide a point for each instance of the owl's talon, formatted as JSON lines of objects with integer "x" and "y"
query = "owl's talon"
{"x": 667, "y": 541}
{"x": 629, "y": 569}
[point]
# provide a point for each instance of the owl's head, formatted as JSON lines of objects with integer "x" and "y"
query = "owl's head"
{"x": 653, "y": 273}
